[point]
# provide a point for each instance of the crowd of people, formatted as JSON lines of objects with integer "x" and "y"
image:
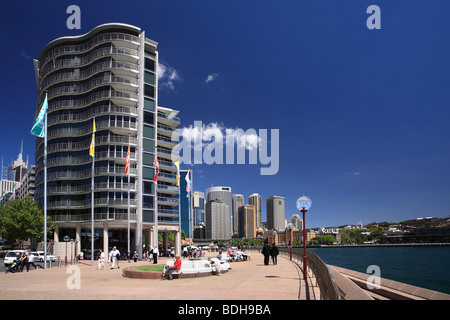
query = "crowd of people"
{"x": 23, "y": 261}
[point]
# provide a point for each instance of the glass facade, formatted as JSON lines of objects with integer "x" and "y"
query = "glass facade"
{"x": 108, "y": 75}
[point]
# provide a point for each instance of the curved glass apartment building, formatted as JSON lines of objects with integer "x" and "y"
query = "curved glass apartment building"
{"x": 108, "y": 74}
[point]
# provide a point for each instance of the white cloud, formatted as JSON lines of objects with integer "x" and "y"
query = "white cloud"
{"x": 211, "y": 77}
{"x": 353, "y": 173}
{"x": 201, "y": 136}
{"x": 167, "y": 76}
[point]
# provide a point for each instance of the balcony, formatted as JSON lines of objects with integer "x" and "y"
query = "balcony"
{"x": 167, "y": 189}
{"x": 170, "y": 178}
{"x": 167, "y": 166}
{"x": 64, "y": 218}
{"x": 168, "y": 120}
{"x": 166, "y": 143}
{"x": 167, "y": 201}
{"x": 167, "y": 154}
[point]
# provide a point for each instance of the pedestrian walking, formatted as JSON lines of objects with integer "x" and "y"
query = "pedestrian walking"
{"x": 135, "y": 256}
{"x": 150, "y": 254}
{"x": 155, "y": 255}
{"x": 266, "y": 252}
{"x": 24, "y": 262}
{"x": 31, "y": 261}
{"x": 101, "y": 260}
{"x": 274, "y": 253}
{"x": 114, "y": 256}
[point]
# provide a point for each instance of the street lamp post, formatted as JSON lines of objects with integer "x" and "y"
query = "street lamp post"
{"x": 66, "y": 239}
{"x": 303, "y": 204}
{"x": 290, "y": 226}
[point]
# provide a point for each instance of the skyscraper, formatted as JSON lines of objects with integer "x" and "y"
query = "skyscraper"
{"x": 275, "y": 213}
{"x": 108, "y": 75}
{"x": 218, "y": 226}
{"x": 220, "y": 195}
{"x": 255, "y": 200}
{"x": 247, "y": 221}
{"x": 237, "y": 200}
{"x": 186, "y": 203}
{"x": 199, "y": 208}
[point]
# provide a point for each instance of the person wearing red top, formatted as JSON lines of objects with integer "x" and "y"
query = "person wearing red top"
{"x": 176, "y": 266}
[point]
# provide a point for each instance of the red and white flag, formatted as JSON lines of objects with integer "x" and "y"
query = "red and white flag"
{"x": 127, "y": 162}
{"x": 156, "y": 163}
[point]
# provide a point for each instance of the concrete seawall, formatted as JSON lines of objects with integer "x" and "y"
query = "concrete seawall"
{"x": 354, "y": 286}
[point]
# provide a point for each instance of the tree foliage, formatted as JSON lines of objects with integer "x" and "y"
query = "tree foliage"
{"x": 323, "y": 239}
{"x": 21, "y": 219}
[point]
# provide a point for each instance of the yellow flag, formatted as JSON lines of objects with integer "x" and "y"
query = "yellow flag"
{"x": 177, "y": 164}
{"x": 92, "y": 148}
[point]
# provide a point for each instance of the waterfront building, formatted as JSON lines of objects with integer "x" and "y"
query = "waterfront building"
{"x": 247, "y": 221}
{"x": 172, "y": 214}
{"x": 275, "y": 213}
{"x": 237, "y": 200}
{"x": 255, "y": 200}
{"x": 108, "y": 75}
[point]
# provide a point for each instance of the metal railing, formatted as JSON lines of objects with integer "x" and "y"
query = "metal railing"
{"x": 325, "y": 282}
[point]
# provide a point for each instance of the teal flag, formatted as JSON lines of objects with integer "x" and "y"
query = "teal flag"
{"x": 38, "y": 127}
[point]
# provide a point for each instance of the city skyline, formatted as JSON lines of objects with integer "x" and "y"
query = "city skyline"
{"x": 362, "y": 114}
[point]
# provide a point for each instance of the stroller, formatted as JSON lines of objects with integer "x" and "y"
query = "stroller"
{"x": 13, "y": 268}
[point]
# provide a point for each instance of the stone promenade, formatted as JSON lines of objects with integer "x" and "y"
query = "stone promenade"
{"x": 248, "y": 280}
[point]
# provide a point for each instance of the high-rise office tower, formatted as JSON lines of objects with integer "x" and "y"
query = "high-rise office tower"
{"x": 247, "y": 221}
{"x": 275, "y": 213}
{"x": 108, "y": 75}
{"x": 237, "y": 201}
{"x": 199, "y": 208}
{"x": 186, "y": 203}
{"x": 255, "y": 200}
{"x": 223, "y": 195}
{"x": 199, "y": 215}
{"x": 218, "y": 226}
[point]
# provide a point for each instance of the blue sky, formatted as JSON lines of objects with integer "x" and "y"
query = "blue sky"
{"x": 363, "y": 114}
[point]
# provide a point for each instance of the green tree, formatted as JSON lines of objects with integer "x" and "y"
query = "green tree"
{"x": 324, "y": 239}
{"x": 21, "y": 219}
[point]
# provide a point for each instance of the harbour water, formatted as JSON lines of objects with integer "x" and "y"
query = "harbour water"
{"x": 426, "y": 267}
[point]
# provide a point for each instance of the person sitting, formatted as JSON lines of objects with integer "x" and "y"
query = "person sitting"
{"x": 215, "y": 265}
{"x": 219, "y": 256}
{"x": 176, "y": 266}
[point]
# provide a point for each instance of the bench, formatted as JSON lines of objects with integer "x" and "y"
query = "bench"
{"x": 196, "y": 268}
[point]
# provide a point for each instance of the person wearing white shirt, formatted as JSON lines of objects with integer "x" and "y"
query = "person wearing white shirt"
{"x": 101, "y": 260}
{"x": 155, "y": 255}
{"x": 115, "y": 254}
{"x": 31, "y": 261}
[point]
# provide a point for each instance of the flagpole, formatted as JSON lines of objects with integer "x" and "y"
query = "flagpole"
{"x": 179, "y": 212}
{"x": 92, "y": 213}
{"x": 92, "y": 196}
{"x": 129, "y": 199}
{"x": 45, "y": 189}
